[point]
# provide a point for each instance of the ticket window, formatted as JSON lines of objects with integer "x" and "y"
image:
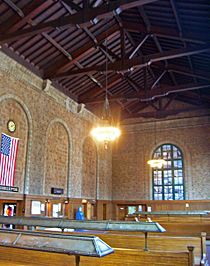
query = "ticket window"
{"x": 9, "y": 209}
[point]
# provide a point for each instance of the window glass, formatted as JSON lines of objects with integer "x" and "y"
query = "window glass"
{"x": 168, "y": 164}
{"x": 168, "y": 182}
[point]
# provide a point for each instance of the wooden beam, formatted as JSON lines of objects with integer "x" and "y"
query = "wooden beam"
{"x": 201, "y": 74}
{"x": 131, "y": 82}
{"x": 96, "y": 44}
{"x": 137, "y": 106}
{"x": 136, "y": 47}
{"x": 156, "y": 81}
{"x": 85, "y": 4}
{"x": 197, "y": 98}
{"x": 177, "y": 17}
{"x": 112, "y": 57}
{"x": 14, "y": 7}
{"x": 71, "y": 4}
{"x": 170, "y": 100}
{"x": 63, "y": 51}
{"x": 30, "y": 10}
{"x": 152, "y": 94}
{"x": 163, "y": 113}
{"x": 138, "y": 62}
{"x": 171, "y": 33}
{"x": 96, "y": 90}
{"x": 64, "y": 63}
{"x": 96, "y": 3}
{"x": 81, "y": 18}
{"x": 188, "y": 72}
{"x": 135, "y": 50}
{"x": 122, "y": 43}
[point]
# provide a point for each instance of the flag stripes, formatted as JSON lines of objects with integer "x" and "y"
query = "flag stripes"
{"x": 8, "y": 155}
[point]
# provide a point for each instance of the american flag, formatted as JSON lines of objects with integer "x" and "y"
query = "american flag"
{"x": 9, "y": 146}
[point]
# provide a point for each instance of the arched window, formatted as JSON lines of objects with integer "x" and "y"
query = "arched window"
{"x": 168, "y": 182}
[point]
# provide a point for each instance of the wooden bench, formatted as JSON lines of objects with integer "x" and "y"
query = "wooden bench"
{"x": 182, "y": 225}
{"x": 121, "y": 257}
{"x": 128, "y": 257}
{"x": 187, "y": 229}
{"x": 164, "y": 250}
{"x": 156, "y": 242}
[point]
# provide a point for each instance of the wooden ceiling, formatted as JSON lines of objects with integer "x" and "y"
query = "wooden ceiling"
{"x": 146, "y": 54}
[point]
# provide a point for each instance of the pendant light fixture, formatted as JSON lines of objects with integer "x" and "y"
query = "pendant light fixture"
{"x": 106, "y": 131}
{"x": 157, "y": 162}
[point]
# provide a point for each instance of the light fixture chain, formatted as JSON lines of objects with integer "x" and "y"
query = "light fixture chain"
{"x": 106, "y": 132}
{"x": 155, "y": 133}
{"x": 107, "y": 112}
{"x": 106, "y": 85}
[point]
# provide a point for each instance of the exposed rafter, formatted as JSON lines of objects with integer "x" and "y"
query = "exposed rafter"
{"x": 171, "y": 40}
{"x": 195, "y": 98}
{"x": 184, "y": 71}
{"x": 96, "y": 91}
{"x": 162, "y": 113}
{"x": 177, "y": 17}
{"x": 155, "y": 38}
{"x": 96, "y": 44}
{"x": 135, "y": 50}
{"x": 150, "y": 95}
{"x": 167, "y": 32}
{"x": 29, "y": 11}
{"x": 82, "y": 18}
{"x": 188, "y": 72}
{"x": 14, "y": 7}
{"x": 72, "y": 5}
{"x": 64, "y": 63}
{"x": 138, "y": 62}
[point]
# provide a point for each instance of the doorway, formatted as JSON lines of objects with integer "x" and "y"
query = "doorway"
{"x": 104, "y": 211}
{"x": 9, "y": 209}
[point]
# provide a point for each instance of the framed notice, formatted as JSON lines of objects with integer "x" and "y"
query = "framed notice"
{"x": 35, "y": 207}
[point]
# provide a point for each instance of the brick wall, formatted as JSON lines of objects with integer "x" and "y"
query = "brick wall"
{"x": 89, "y": 167}
{"x": 11, "y": 109}
{"x": 56, "y": 158}
{"x": 55, "y": 150}
{"x": 51, "y": 131}
{"x": 132, "y": 175}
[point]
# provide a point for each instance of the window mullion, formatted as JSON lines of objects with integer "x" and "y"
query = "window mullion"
{"x": 172, "y": 171}
{"x": 162, "y": 176}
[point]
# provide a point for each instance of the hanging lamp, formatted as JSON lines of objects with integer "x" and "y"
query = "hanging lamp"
{"x": 106, "y": 131}
{"x": 155, "y": 162}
